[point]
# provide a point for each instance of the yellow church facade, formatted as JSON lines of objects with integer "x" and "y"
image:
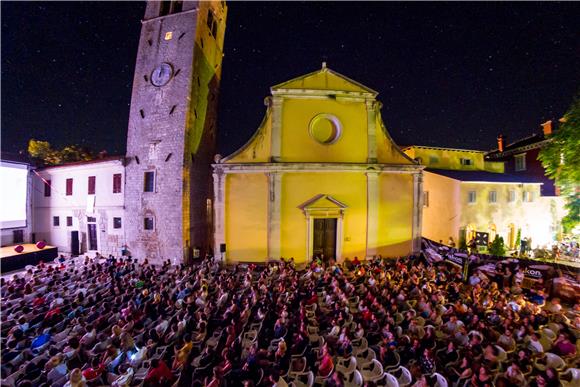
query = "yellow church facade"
{"x": 320, "y": 176}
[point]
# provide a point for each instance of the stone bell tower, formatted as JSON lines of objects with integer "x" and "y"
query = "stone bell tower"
{"x": 172, "y": 129}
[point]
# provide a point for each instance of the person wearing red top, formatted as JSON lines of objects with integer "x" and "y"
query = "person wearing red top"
{"x": 158, "y": 373}
{"x": 313, "y": 299}
{"x": 326, "y": 364}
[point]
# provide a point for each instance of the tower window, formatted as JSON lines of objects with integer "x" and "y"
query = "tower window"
{"x": 466, "y": 161}
{"x": 55, "y": 221}
{"x": 512, "y": 196}
{"x": 492, "y": 196}
{"x": 142, "y": 112}
{"x": 117, "y": 223}
{"x": 164, "y": 8}
{"x": 177, "y": 6}
{"x": 148, "y": 223}
{"x": 149, "y": 181}
{"x": 69, "y": 221}
{"x": 425, "y": 198}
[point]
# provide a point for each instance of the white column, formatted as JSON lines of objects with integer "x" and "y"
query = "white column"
{"x": 371, "y": 132}
{"x": 417, "y": 210}
{"x": 274, "y": 200}
{"x": 219, "y": 180}
{"x": 372, "y": 213}
{"x": 276, "y": 128}
{"x": 309, "y": 236}
{"x": 339, "y": 237}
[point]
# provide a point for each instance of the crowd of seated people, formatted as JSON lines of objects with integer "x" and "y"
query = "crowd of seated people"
{"x": 93, "y": 322}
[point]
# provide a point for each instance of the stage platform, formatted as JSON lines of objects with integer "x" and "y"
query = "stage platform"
{"x": 10, "y": 260}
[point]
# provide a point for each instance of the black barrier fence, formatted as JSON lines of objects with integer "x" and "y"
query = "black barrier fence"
{"x": 556, "y": 279}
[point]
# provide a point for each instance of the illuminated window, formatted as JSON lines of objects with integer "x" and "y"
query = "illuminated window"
{"x": 520, "y": 161}
{"x": 168, "y": 35}
{"x": 511, "y": 196}
{"x": 493, "y": 196}
{"x": 466, "y": 161}
{"x": 471, "y": 197}
{"x": 55, "y": 221}
{"x": 426, "y": 199}
{"x": 69, "y": 221}
{"x": 117, "y": 223}
{"x": 148, "y": 223}
{"x": 149, "y": 181}
{"x": 528, "y": 196}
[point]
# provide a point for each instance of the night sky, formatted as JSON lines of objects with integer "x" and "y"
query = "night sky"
{"x": 452, "y": 75}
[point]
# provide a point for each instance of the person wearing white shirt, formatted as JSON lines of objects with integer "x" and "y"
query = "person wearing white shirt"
{"x": 535, "y": 344}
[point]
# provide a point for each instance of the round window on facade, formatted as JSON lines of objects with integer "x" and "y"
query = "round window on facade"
{"x": 325, "y": 129}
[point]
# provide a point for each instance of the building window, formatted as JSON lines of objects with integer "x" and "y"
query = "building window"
{"x": 69, "y": 221}
{"x": 493, "y": 196}
{"x": 117, "y": 183}
{"x": 528, "y": 196}
{"x": 91, "y": 219}
{"x": 471, "y": 197}
{"x": 117, "y": 223}
{"x": 69, "y": 187}
{"x": 466, "y": 161}
{"x": 148, "y": 223}
{"x": 433, "y": 159}
{"x": 512, "y": 196}
{"x": 55, "y": 221}
{"x": 47, "y": 188}
{"x": 425, "y": 198}
{"x": 149, "y": 182}
{"x": 92, "y": 181}
{"x": 520, "y": 161}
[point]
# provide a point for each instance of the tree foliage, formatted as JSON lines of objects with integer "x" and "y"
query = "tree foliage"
{"x": 561, "y": 160}
{"x": 44, "y": 153}
{"x": 497, "y": 247}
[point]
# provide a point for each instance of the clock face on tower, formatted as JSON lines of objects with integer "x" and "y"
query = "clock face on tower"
{"x": 161, "y": 74}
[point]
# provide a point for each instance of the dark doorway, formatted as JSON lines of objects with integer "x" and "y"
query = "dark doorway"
{"x": 74, "y": 243}
{"x": 324, "y": 238}
{"x": 92, "y": 236}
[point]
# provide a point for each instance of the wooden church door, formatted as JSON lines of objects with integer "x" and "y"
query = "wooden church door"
{"x": 325, "y": 237}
